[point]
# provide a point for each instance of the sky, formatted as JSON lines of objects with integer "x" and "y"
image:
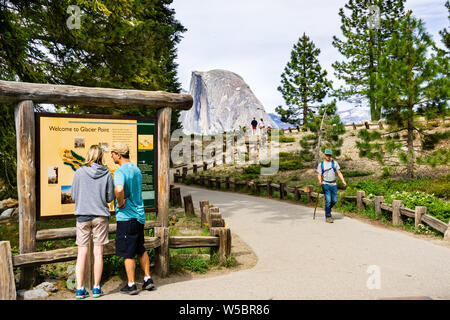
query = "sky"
{"x": 254, "y": 38}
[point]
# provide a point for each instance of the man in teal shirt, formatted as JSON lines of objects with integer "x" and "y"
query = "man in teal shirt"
{"x": 130, "y": 217}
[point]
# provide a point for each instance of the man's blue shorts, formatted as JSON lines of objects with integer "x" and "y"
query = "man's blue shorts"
{"x": 129, "y": 239}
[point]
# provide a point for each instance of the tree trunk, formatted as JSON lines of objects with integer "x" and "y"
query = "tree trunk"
{"x": 319, "y": 141}
{"x": 411, "y": 160}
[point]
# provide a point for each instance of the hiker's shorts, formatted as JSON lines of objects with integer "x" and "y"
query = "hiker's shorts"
{"x": 129, "y": 239}
{"x": 98, "y": 227}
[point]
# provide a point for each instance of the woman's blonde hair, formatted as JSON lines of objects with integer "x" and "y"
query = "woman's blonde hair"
{"x": 94, "y": 155}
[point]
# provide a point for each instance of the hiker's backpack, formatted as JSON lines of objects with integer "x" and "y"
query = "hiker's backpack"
{"x": 332, "y": 167}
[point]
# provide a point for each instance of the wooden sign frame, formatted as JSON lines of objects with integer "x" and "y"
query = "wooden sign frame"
{"x": 39, "y": 115}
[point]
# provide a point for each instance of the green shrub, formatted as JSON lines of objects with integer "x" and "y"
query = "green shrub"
{"x": 438, "y": 208}
{"x": 292, "y": 164}
{"x": 356, "y": 173}
{"x": 286, "y": 139}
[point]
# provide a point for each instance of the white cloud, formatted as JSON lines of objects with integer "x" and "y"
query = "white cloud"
{"x": 254, "y": 38}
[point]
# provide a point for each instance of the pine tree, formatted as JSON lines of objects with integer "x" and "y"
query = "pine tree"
{"x": 444, "y": 33}
{"x": 326, "y": 127}
{"x": 365, "y": 33}
{"x": 303, "y": 82}
{"x": 412, "y": 82}
{"x": 125, "y": 44}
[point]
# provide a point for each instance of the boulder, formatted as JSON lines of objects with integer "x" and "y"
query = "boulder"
{"x": 47, "y": 286}
{"x": 8, "y": 203}
{"x": 32, "y": 294}
{"x": 7, "y": 213}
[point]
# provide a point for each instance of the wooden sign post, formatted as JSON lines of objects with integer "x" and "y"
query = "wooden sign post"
{"x": 24, "y": 94}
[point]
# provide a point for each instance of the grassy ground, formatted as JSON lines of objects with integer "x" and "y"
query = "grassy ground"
{"x": 198, "y": 260}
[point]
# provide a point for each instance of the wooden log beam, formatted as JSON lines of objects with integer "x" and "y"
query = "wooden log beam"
{"x": 67, "y": 254}
{"x": 162, "y": 252}
{"x": 437, "y": 224}
{"x": 26, "y": 183}
{"x": 193, "y": 241}
{"x": 407, "y": 212}
{"x": 163, "y": 119}
{"x": 7, "y": 283}
{"x": 67, "y": 233}
{"x": 12, "y": 91}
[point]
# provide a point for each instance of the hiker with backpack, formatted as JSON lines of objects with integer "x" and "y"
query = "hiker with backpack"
{"x": 327, "y": 170}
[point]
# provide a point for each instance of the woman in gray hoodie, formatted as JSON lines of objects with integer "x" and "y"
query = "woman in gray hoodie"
{"x": 92, "y": 190}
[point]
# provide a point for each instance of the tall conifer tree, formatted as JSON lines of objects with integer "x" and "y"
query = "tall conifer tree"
{"x": 303, "y": 82}
{"x": 365, "y": 26}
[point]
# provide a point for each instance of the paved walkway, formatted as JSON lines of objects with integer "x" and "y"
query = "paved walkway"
{"x": 302, "y": 258}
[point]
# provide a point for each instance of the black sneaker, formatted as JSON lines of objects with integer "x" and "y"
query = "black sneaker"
{"x": 148, "y": 285}
{"x": 129, "y": 290}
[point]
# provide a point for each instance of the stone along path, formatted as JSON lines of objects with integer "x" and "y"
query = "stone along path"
{"x": 302, "y": 258}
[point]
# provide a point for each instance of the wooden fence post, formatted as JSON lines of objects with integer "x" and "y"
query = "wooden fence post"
{"x": 354, "y": 126}
{"x": 309, "y": 189}
{"x": 367, "y": 125}
{"x": 176, "y": 194}
{"x": 162, "y": 252}
{"x": 205, "y": 166}
{"x": 7, "y": 283}
{"x": 202, "y": 180}
{"x": 235, "y": 184}
{"x": 227, "y": 183}
{"x": 224, "y": 249}
{"x": 188, "y": 206}
{"x": 297, "y": 193}
{"x": 194, "y": 168}
{"x": 359, "y": 203}
{"x": 378, "y": 201}
{"x": 396, "y": 216}
{"x": 282, "y": 187}
{"x": 218, "y": 183}
{"x": 212, "y": 212}
{"x": 26, "y": 184}
{"x": 418, "y": 213}
{"x": 269, "y": 188}
{"x": 447, "y": 233}
{"x": 204, "y": 210}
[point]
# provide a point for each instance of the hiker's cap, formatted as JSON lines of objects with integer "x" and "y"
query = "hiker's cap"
{"x": 120, "y": 148}
{"x": 328, "y": 152}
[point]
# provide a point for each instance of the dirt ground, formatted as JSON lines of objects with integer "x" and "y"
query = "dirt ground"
{"x": 245, "y": 259}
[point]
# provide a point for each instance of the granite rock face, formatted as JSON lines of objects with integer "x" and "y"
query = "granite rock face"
{"x": 223, "y": 102}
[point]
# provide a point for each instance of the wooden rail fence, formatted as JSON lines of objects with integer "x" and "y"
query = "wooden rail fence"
{"x": 419, "y": 213}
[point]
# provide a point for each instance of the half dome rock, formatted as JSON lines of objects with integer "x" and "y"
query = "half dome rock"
{"x": 223, "y": 102}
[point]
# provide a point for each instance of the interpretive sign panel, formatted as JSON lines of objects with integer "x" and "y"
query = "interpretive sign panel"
{"x": 63, "y": 141}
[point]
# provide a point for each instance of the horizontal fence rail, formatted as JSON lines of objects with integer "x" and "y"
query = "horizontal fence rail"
{"x": 419, "y": 213}
{"x": 11, "y": 91}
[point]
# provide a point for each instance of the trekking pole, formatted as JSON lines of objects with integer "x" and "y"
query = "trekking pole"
{"x": 317, "y": 202}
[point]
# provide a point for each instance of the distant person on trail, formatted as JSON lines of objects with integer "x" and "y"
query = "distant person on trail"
{"x": 327, "y": 170}
{"x": 261, "y": 126}
{"x": 130, "y": 218}
{"x": 92, "y": 190}
{"x": 254, "y": 125}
